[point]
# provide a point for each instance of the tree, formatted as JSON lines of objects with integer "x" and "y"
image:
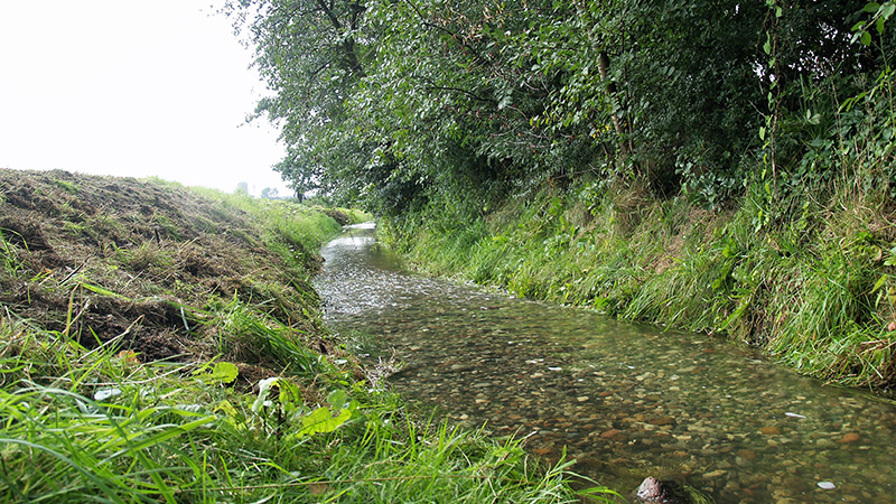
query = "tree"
{"x": 453, "y": 105}
{"x": 312, "y": 54}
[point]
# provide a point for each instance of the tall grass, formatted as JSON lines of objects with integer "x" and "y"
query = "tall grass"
{"x": 294, "y": 230}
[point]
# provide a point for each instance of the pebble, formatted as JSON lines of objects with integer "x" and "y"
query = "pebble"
{"x": 746, "y": 454}
{"x": 826, "y": 485}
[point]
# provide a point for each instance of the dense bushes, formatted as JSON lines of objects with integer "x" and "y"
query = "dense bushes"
{"x": 398, "y": 104}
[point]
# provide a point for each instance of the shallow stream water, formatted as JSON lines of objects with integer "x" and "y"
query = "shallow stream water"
{"x": 626, "y": 401}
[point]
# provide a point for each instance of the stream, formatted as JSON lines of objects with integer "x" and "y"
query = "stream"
{"x": 626, "y": 401}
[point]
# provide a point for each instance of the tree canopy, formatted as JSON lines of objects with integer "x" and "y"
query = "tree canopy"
{"x": 403, "y": 104}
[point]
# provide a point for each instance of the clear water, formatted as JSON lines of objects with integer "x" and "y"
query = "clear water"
{"x": 625, "y": 401}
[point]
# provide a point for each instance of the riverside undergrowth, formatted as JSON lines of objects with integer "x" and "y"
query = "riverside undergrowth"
{"x": 815, "y": 288}
{"x": 163, "y": 344}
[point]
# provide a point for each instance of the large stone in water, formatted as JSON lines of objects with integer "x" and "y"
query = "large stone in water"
{"x": 655, "y": 491}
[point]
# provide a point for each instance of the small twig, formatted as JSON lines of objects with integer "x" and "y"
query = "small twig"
{"x": 73, "y": 273}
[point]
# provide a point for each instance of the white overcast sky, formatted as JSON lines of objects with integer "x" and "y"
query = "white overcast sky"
{"x": 128, "y": 88}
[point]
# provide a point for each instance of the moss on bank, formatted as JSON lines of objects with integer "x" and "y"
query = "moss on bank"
{"x": 814, "y": 286}
{"x": 163, "y": 344}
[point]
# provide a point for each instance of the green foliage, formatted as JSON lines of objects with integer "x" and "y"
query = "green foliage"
{"x": 221, "y": 372}
{"x": 112, "y": 430}
{"x": 881, "y": 13}
{"x": 403, "y": 105}
{"x": 312, "y": 54}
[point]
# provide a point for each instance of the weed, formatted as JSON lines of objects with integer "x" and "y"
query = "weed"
{"x": 66, "y": 186}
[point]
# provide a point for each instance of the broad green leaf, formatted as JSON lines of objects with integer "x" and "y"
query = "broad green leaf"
{"x": 871, "y": 7}
{"x": 322, "y": 420}
{"x": 290, "y": 397}
{"x": 226, "y": 371}
{"x": 866, "y": 38}
{"x": 337, "y": 398}
{"x": 888, "y": 9}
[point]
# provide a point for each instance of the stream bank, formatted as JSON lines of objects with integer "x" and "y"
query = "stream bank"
{"x": 815, "y": 290}
{"x": 164, "y": 344}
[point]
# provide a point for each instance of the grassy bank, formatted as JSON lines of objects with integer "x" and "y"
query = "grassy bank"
{"x": 163, "y": 344}
{"x": 814, "y": 286}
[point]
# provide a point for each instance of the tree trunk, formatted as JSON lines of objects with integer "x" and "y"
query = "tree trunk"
{"x": 603, "y": 65}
